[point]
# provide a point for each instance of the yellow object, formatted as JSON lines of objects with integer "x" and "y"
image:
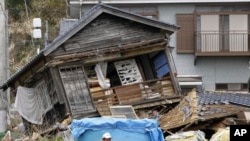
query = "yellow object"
{"x": 221, "y": 135}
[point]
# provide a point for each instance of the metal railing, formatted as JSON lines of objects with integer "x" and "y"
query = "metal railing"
{"x": 212, "y": 41}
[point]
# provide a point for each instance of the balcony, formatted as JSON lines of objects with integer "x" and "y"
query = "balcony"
{"x": 233, "y": 43}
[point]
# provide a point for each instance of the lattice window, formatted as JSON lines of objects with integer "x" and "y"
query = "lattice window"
{"x": 76, "y": 88}
{"x": 128, "y": 72}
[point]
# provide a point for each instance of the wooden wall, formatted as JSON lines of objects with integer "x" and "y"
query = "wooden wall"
{"x": 108, "y": 31}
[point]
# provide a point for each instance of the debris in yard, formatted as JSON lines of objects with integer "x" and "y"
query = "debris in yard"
{"x": 187, "y": 136}
{"x": 203, "y": 110}
{"x": 7, "y": 136}
{"x": 223, "y": 134}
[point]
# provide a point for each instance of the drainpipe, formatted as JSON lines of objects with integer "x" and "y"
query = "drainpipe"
{"x": 80, "y": 11}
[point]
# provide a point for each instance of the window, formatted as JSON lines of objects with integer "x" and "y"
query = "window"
{"x": 222, "y": 32}
{"x": 214, "y": 29}
{"x": 231, "y": 87}
{"x": 148, "y": 11}
{"x": 161, "y": 66}
{"x": 238, "y": 32}
{"x": 76, "y": 89}
{"x": 209, "y": 33}
{"x": 128, "y": 71}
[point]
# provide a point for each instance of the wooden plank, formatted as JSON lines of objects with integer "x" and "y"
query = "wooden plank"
{"x": 128, "y": 93}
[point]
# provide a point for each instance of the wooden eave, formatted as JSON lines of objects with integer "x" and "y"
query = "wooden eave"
{"x": 112, "y": 53}
{"x": 36, "y": 64}
{"x": 29, "y": 74}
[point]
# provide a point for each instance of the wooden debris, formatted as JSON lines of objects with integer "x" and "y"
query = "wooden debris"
{"x": 7, "y": 136}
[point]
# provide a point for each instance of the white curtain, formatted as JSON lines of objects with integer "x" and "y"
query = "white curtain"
{"x": 101, "y": 71}
{"x": 29, "y": 105}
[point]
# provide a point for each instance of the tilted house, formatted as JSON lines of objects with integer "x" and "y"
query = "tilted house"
{"x": 108, "y": 57}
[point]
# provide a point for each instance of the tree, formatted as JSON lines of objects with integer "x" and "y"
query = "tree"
{"x": 20, "y": 15}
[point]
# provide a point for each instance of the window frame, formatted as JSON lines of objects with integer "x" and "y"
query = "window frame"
{"x": 79, "y": 77}
{"x": 225, "y": 86}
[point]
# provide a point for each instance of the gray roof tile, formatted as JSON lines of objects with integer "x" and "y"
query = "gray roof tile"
{"x": 223, "y": 98}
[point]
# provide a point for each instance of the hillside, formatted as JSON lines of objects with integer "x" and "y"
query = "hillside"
{"x": 20, "y": 16}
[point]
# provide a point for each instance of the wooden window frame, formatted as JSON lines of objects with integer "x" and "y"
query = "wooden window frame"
{"x": 86, "y": 100}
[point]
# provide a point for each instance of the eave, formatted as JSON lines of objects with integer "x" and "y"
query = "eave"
{"x": 20, "y": 72}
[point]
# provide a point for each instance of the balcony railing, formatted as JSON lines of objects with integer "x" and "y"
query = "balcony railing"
{"x": 233, "y": 42}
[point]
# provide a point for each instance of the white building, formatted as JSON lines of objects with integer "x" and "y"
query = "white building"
{"x": 212, "y": 43}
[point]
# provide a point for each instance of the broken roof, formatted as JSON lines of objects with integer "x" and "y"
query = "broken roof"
{"x": 97, "y": 10}
{"x": 204, "y": 106}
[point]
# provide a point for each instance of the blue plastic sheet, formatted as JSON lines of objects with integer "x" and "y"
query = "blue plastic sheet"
{"x": 92, "y": 129}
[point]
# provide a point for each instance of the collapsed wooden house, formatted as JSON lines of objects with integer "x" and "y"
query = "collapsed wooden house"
{"x": 108, "y": 57}
{"x": 207, "y": 111}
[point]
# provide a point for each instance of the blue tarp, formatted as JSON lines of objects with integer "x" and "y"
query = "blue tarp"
{"x": 92, "y": 129}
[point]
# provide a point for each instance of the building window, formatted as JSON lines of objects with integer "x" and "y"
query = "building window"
{"x": 222, "y": 33}
{"x": 231, "y": 87}
{"x": 214, "y": 29}
{"x": 161, "y": 67}
{"x": 128, "y": 71}
{"x": 147, "y": 11}
{"x": 76, "y": 88}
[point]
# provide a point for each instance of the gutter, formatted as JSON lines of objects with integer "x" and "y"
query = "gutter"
{"x": 80, "y": 2}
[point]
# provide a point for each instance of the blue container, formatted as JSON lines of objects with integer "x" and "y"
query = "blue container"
{"x": 92, "y": 129}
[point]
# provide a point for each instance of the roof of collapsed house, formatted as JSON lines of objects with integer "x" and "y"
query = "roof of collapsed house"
{"x": 203, "y": 106}
{"x": 96, "y": 11}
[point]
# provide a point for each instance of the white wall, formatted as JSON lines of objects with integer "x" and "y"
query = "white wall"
{"x": 213, "y": 69}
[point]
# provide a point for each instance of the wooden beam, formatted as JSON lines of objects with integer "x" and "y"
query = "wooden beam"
{"x": 119, "y": 48}
{"x": 106, "y": 57}
{"x": 109, "y": 54}
{"x": 142, "y": 51}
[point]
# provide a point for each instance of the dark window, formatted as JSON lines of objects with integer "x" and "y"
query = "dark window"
{"x": 148, "y": 11}
{"x": 244, "y": 86}
{"x": 221, "y": 87}
{"x": 161, "y": 66}
{"x": 232, "y": 86}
